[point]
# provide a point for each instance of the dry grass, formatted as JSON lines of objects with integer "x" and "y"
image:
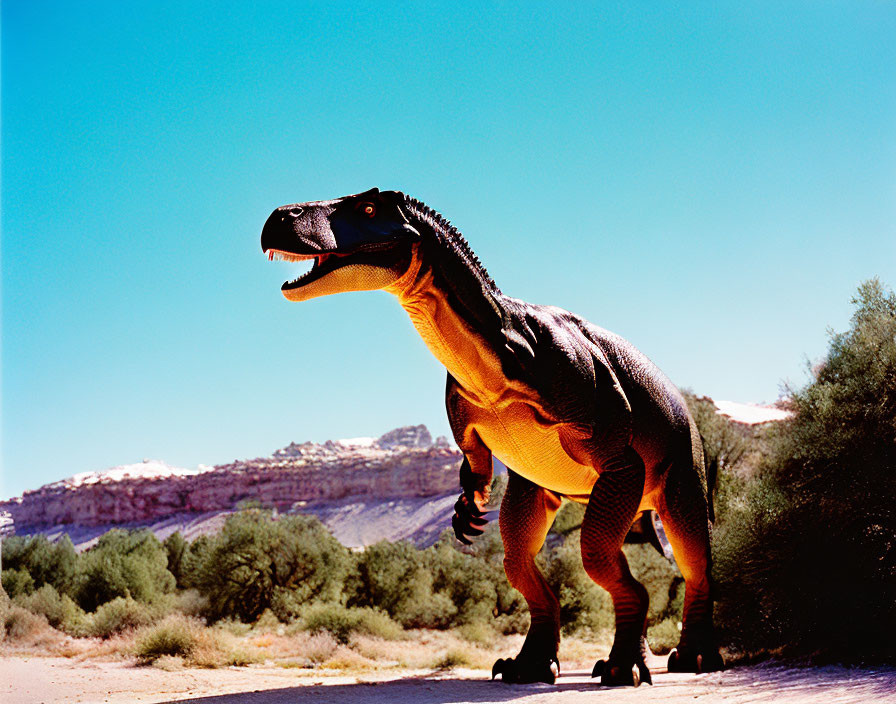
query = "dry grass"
{"x": 180, "y": 641}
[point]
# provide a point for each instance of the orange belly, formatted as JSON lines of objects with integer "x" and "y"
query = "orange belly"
{"x": 531, "y": 446}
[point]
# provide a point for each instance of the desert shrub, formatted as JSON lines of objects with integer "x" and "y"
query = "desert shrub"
{"x": 17, "y": 582}
{"x": 583, "y": 605}
{"x": 123, "y": 564}
{"x": 191, "y": 603}
{"x": 664, "y": 636}
{"x": 451, "y": 658}
{"x": 728, "y": 448}
{"x": 342, "y": 621}
{"x": 422, "y": 607}
{"x": 471, "y": 582}
{"x": 267, "y": 623}
{"x": 660, "y": 577}
{"x": 382, "y": 574}
{"x": 319, "y": 647}
{"x": 20, "y": 624}
{"x": 174, "y": 636}
{"x": 438, "y": 587}
{"x": 233, "y": 626}
{"x": 255, "y": 556}
{"x": 59, "y": 610}
{"x": 189, "y": 640}
{"x": 568, "y": 518}
{"x": 809, "y": 562}
{"x": 119, "y": 615}
{"x": 392, "y": 577}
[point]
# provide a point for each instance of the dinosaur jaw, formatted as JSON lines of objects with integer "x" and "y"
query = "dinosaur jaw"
{"x": 336, "y": 272}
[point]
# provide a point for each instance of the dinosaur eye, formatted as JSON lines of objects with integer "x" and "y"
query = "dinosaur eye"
{"x": 368, "y": 209}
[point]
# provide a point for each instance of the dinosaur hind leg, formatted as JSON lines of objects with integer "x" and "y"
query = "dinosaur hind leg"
{"x": 685, "y": 517}
{"x": 527, "y": 513}
{"x": 611, "y": 509}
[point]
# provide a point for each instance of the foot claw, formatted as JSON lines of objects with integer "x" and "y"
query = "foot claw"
{"x": 612, "y": 675}
{"x": 687, "y": 660}
{"x": 498, "y": 667}
{"x": 644, "y": 673}
{"x": 514, "y": 672}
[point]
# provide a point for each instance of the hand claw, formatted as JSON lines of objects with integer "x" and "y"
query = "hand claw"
{"x": 458, "y": 530}
{"x": 465, "y": 522}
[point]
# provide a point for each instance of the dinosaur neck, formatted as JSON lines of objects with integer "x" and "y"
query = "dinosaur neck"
{"x": 455, "y": 307}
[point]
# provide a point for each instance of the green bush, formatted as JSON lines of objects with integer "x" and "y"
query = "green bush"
{"x": 123, "y": 564}
{"x": 398, "y": 578}
{"x": 255, "y": 556}
{"x": 664, "y": 636}
{"x": 60, "y": 611}
{"x": 177, "y": 550}
{"x": 175, "y": 636}
{"x": 808, "y": 563}
{"x": 342, "y": 621}
{"x": 119, "y": 615}
{"x": 467, "y": 582}
{"x": 661, "y": 578}
{"x": 583, "y": 605}
{"x": 46, "y": 562}
{"x": 17, "y": 582}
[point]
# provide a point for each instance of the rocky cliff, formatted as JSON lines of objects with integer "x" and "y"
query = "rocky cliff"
{"x": 402, "y": 464}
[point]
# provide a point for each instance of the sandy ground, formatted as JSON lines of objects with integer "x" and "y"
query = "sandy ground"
{"x": 32, "y": 680}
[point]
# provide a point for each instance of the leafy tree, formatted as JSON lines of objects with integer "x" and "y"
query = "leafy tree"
{"x": 177, "y": 548}
{"x": 17, "y": 582}
{"x": 392, "y": 577}
{"x": 255, "y": 557}
{"x": 724, "y": 443}
{"x": 123, "y": 564}
{"x": 46, "y": 562}
{"x": 810, "y": 563}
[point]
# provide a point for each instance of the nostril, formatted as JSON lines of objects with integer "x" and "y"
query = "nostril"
{"x": 295, "y": 212}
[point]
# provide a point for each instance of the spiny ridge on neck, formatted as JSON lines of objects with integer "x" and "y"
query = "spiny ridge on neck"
{"x": 450, "y": 236}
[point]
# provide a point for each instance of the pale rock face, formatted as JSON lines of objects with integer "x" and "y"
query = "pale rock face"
{"x": 751, "y": 413}
{"x": 403, "y": 463}
{"x": 401, "y": 485}
{"x": 409, "y": 436}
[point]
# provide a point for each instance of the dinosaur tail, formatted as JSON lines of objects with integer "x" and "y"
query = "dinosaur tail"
{"x": 712, "y": 475}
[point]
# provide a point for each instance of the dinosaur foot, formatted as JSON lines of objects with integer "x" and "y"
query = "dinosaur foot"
{"x": 685, "y": 659}
{"x": 618, "y": 674}
{"x": 519, "y": 671}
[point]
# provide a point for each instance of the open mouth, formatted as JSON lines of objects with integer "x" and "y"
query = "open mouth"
{"x": 323, "y": 263}
{"x": 319, "y": 265}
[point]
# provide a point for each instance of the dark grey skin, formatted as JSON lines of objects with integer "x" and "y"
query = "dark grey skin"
{"x": 573, "y": 410}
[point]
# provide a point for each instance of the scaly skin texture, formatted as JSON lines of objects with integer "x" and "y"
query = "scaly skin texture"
{"x": 571, "y": 409}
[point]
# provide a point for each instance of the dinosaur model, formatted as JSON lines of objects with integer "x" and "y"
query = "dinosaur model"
{"x": 571, "y": 409}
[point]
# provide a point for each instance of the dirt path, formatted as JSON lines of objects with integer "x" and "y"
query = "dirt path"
{"x": 33, "y": 680}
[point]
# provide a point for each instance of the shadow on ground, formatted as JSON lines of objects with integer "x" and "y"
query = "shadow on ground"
{"x": 764, "y": 683}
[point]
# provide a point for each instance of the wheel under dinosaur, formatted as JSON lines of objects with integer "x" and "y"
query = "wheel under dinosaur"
{"x": 571, "y": 409}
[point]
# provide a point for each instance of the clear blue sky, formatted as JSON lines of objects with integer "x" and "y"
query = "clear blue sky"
{"x": 710, "y": 180}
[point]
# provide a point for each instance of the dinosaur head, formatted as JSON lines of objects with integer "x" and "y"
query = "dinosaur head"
{"x": 356, "y": 243}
